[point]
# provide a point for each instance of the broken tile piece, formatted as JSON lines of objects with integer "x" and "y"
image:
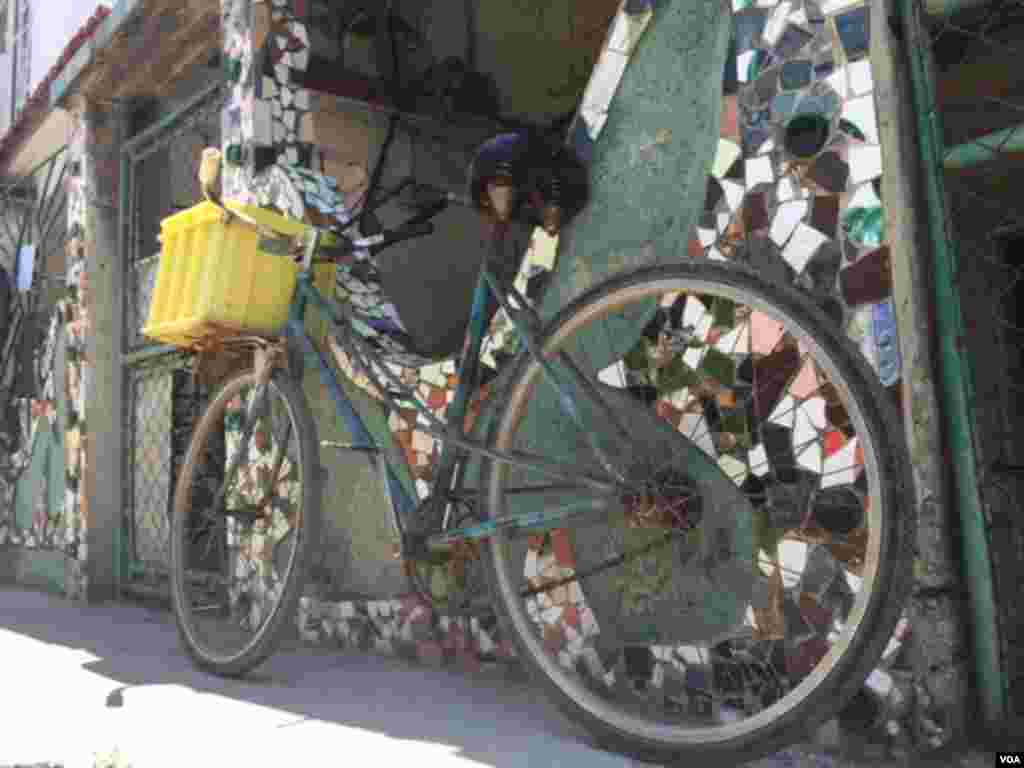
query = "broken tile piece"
{"x": 830, "y": 172}
{"x": 860, "y": 77}
{"x": 733, "y": 193}
{"x": 727, "y": 154}
{"x": 861, "y": 113}
{"x": 802, "y": 246}
{"x": 776, "y": 24}
{"x": 840, "y": 468}
{"x": 759, "y": 171}
{"x": 766, "y": 333}
{"x": 788, "y": 216}
{"x": 865, "y": 163}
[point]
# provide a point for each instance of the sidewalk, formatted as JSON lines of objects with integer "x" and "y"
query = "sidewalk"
{"x": 81, "y": 681}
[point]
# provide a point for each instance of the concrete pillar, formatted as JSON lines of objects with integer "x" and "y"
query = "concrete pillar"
{"x": 935, "y": 609}
{"x": 95, "y": 317}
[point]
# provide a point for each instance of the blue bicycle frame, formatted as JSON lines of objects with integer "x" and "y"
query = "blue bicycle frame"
{"x": 456, "y": 444}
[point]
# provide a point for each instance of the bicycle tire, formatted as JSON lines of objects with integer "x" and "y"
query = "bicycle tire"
{"x": 306, "y": 532}
{"x": 893, "y": 576}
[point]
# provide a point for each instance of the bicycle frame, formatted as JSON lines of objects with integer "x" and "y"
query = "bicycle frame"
{"x": 455, "y": 442}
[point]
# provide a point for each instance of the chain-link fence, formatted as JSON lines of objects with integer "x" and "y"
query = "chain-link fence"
{"x": 164, "y": 180}
{"x": 163, "y": 401}
{"x": 969, "y": 52}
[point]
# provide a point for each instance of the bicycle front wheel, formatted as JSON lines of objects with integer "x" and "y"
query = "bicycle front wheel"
{"x": 743, "y": 579}
{"x": 246, "y": 517}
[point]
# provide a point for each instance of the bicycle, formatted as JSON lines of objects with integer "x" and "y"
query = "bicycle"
{"x": 692, "y": 425}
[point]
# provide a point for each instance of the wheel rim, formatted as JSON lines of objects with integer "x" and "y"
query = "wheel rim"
{"x": 509, "y": 573}
{"x": 255, "y": 559}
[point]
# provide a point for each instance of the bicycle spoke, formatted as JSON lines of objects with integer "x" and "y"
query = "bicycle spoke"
{"x": 756, "y": 402}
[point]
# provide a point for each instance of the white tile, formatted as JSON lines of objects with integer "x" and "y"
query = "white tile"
{"x": 733, "y": 193}
{"x": 723, "y": 220}
{"x": 786, "y": 189}
{"x": 758, "y": 458}
{"x": 865, "y": 163}
{"x": 694, "y": 357}
{"x": 544, "y": 249}
{"x": 604, "y": 81}
{"x": 810, "y": 458}
{"x": 793, "y": 559}
{"x": 696, "y": 429}
{"x": 839, "y": 468}
{"x": 802, "y": 246}
{"x": 864, "y": 197}
{"x": 706, "y": 236}
{"x": 736, "y": 341}
{"x": 614, "y": 375}
{"x": 696, "y": 316}
{"x": 734, "y": 469}
{"x": 814, "y": 408}
{"x": 837, "y": 81}
{"x": 552, "y": 614}
{"x": 726, "y": 155}
{"x": 743, "y": 64}
{"x": 861, "y": 112}
{"x": 777, "y": 23}
{"x": 787, "y": 217}
{"x": 860, "y": 77}
{"x": 785, "y": 413}
{"x": 530, "y": 568}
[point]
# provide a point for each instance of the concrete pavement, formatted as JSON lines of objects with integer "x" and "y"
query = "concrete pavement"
{"x": 82, "y": 681}
{"x": 79, "y": 682}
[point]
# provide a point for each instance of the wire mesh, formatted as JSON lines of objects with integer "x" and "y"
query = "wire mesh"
{"x": 979, "y": 107}
{"x": 163, "y": 181}
{"x": 165, "y": 403}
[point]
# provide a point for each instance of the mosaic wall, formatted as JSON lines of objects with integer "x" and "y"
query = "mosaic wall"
{"x": 265, "y": 120}
{"x": 76, "y": 316}
{"x": 794, "y": 190}
{"x": 63, "y": 527}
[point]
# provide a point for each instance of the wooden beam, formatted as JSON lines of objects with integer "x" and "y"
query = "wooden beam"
{"x": 192, "y": 38}
{"x": 202, "y": 48}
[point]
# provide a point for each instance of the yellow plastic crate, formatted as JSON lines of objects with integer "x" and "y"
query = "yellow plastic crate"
{"x": 216, "y": 279}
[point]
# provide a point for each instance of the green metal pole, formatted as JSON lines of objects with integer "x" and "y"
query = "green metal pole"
{"x": 122, "y": 558}
{"x": 956, "y": 385}
{"x": 946, "y": 8}
{"x": 985, "y": 148}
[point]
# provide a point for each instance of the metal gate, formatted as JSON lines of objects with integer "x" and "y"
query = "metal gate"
{"x": 969, "y": 97}
{"x": 33, "y": 231}
{"x": 162, "y": 401}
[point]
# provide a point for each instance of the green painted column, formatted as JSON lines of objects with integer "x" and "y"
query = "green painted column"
{"x": 102, "y": 482}
{"x": 651, "y": 161}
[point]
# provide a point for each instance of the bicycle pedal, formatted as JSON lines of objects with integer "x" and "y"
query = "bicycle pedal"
{"x": 349, "y": 447}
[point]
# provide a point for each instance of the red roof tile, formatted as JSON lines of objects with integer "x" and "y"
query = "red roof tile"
{"x": 38, "y": 104}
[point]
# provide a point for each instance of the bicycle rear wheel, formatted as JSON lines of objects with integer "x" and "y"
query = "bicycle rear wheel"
{"x": 243, "y": 530}
{"x": 746, "y": 578}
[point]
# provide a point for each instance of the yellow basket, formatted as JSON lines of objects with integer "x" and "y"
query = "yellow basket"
{"x": 217, "y": 279}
